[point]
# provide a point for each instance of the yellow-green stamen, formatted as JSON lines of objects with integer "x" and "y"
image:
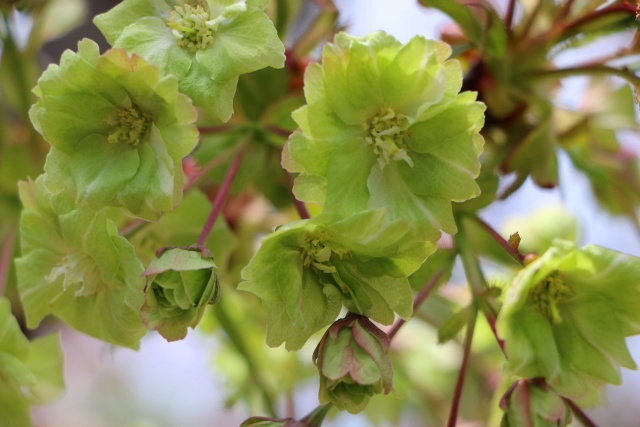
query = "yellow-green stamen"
{"x": 548, "y": 294}
{"x": 77, "y": 269}
{"x": 129, "y": 125}
{"x": 192, "y": 26}
{"x": 386, "y": 132}
{"x": 317, "y": 252}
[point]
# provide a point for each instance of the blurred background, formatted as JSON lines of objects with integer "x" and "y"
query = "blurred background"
{"x": 195, "y": 382}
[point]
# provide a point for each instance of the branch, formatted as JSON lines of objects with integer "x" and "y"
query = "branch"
{"x": 220, "y": 197}
{"x": 300, "y": 206}
{"x": 420, "y": 297}
{"x": 579, "y": 413}
{"x": 457, "y": 393}
{"x": 238, "y": 341}
{"x": 6, "y": 254}
{"x": 513, "y": 252}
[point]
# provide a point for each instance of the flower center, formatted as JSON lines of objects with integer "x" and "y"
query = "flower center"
{"x": 129, "y": 125}
{"x": 192, "y": 26}
{"x": 316, "y": 253}
{"x": 77, "y": 269}
{"x": 387, "y": 136}
{"x": 546, "y": 295}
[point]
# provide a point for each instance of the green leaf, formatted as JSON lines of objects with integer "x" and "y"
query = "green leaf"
{"x": 485, "y": 28}
{"x": 454, "y": 325}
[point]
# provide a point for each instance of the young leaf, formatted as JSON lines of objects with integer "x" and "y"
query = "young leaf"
{"x": 454, "y": 325}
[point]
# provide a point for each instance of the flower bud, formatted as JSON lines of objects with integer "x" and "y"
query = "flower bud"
{"x": 271, "y": 422}
{"x": 533, "y": 403}
{"x": 353, "y": 362}
{"x": 180, "y": 284}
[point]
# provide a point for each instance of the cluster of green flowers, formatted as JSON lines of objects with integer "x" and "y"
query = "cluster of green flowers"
{"x": 119, "y": 125}
{"x": 385, "y": 144}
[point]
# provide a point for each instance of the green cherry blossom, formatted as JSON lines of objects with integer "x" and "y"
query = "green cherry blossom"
{"x": 30, "y": 371}
{"x": 206, "y": 44}
{"x": 306, "y": 271}
{"x": 77, "y": 267}
{"x": 385, "y": 126}
{"x": 566, "y": 316}
{"x": 353, "y": 363}
{"x": 118, "y": 131}
{"x": 181, "y": 282}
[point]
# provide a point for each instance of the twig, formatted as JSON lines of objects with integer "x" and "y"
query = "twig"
{"x": 457, "y": 393}
{"x": 6, "y": 254}
{"x": 278, "y": 130}
{"x": 513, "y": 252}
{"x": 238, "y": 341}
{"x": 508, "y": 18}
{"x": 420, "y": 297}
{"x": 300, "y": 206}
{"x": 214, "y": 129}
{"x": 221, "y": 197}
{"x": 579, "y": 413}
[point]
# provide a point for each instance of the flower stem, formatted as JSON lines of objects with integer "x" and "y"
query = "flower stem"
{"x": 278, "y": 130}
{"x": 508, "y": 18}
{"x": 316, "y": 417}
{"x": 476, "y": 279}
{"x": 420, "y": 297}
{"x": 513, "y": 252}
{"x": 579, "y": 413}
{"x": 237, "y": 340}
{"x": 300, "y": 206}
{"x": 457, "y": 393}
{"x": 220, "y": 197}
{"x": 6, "y": 254}
{"x": 591, "y": 70}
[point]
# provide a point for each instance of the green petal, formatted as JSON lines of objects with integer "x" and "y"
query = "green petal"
{"x": 151, "y": 38}
{"x": 388, "y": 189}
{"x": 347, "y": 173}
{"x": 415, "y": 79}
{"x": 250, "y": 42}
{"x": 113, "y": 22}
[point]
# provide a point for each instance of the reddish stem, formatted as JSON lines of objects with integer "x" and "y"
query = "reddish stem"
{"x": 417, "y": 302}
{"x": 214, "y": 129}
{"x": 579, "y": 413}
{"x": 278, "y": 130}
{"x": 508, "y": 18}
{"x": 5, "y": 256}
{"x": 513, "y": 252}
{"x": 457, "y": 393}
{"x": 220, "y": 198}
{"x": 300, "y": 206}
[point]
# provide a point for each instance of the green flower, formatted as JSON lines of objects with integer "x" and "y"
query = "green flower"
{"x": 206, "y": 44}
{"x": 180, "y": 285}
{"x": 566, "y": 316}
{"x": 30, "y": 371}
{"x": 118, "y": 131}
{"x": 384, "y": 126}
{"x": 77, "y": 267}
{"x": 353, "y": 362}
{"x": 305, "y": 271}
{"x": 533, "y": 403}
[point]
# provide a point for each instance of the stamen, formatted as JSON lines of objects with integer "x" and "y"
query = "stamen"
{"x": 386, "y": 134}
